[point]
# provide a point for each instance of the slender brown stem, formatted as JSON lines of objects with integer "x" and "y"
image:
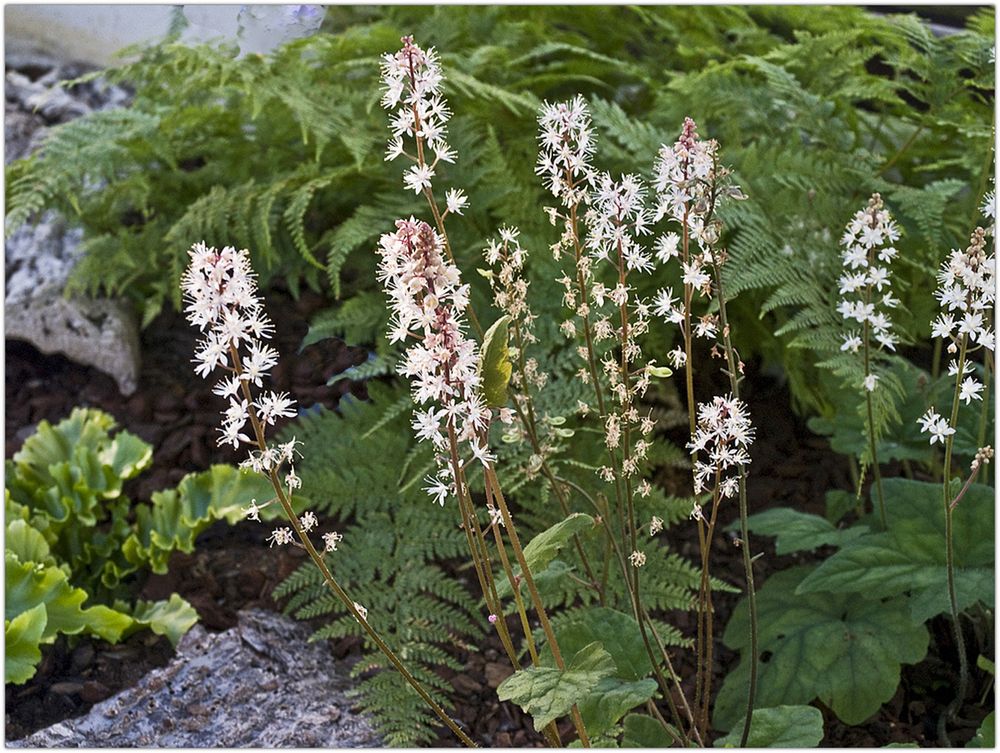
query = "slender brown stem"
{"x": 536, "y": 599}
{"x": 329, "y": 580}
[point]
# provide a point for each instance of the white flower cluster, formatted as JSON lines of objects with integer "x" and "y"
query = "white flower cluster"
{"x": 723, "y": 434}
{"x": 429, "y": 302}
{"x": 684, "y": 178}
{"x": 412, "y": 80}
{"x": 220, "y": 291}
{"x": 616, "y": 220}
{"x": 865, "y": 286}
{"x": 967, "y": 294}
{"x": 688, "y": 185}
{"x": 566, "y": 146}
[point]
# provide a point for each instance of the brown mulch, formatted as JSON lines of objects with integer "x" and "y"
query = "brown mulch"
{"x": 232, "y": 568}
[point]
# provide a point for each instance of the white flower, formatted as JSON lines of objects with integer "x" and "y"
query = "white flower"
{"x": 437, "y": 489}
{"x": 938, "y": 427}
{"x": 456, "y": 200}
{"x": 870, "y": 381}
{"x": 851, "y": 342}
{"x": 281, "y": 536}
{"x": 330, "y": 541}
{"x": 942, "y": 326}
{"x": 308, "y": 521}
{"x": 252, "y": 511}
{"x": 655, "y": 525}
{"x": 667, "y": 247}
{"x": 418, "y": 177}
{"x": 970, "y": 389}
{"x": 637, "y": 558}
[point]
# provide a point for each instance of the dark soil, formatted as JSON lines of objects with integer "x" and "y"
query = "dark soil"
{"x": 232, "y": 567}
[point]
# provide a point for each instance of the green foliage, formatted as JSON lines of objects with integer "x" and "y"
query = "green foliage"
{"x": 986, "y": 734}
{"x": 495, "y": 367}
{"x": 779, "y": 727}
{"x": 629, "y": 685}
{"x": 641, "y": 731}
{"x": 543, "y": 548}
{"x": 909, "y": 558}
{"x": 22, "y": 637}
{"x": 842, "y": 649}
{"x": 547, "y": 693}
{"x": 73, "y": 537}
{"x": 798, "y": 531}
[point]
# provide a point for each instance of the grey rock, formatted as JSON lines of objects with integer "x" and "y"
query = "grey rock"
{"x": 39, "y": 258}
{"x": 259, "y": 685}
{"x": 97, "y": 332}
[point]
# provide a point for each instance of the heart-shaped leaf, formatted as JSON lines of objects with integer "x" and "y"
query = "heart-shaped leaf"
{"x": 779, "y": 727}
{"x": 910, "y": 556}
{"x": 842, "y": 649}
{"x": 547, "y": 693}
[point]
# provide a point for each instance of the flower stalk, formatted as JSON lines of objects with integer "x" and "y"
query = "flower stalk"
{"x": 221, "y": 295}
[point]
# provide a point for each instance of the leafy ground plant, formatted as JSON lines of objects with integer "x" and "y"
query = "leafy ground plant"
{"x": 72, "y": 537}
{"x": 522, "y": 348}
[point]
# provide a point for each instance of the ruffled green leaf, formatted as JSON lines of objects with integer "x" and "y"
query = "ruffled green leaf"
{"x": 29, "y": 585}
{"x": 172, "y": 618}
{"x": 22, "y": 637}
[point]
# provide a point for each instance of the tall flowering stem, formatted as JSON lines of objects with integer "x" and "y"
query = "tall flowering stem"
{"x": 220, "y": 291}
{"x": 506, "y": 258}
{"x": 682, "y": 192}
{"x": 867, "y": 299}
{"x": 734, "y": 369}
{"x": 690, "y": 184}
{"x": 428, "y": 302}
{"x": 566, "y": 145}
{"x": 411, "y": 78}
{"x": 967, "y": 295}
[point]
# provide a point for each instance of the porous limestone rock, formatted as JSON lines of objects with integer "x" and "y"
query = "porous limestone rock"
{"x": 97, "y": 332}
{"x": 259, "y": 684}
{"x": 102, "y": 333}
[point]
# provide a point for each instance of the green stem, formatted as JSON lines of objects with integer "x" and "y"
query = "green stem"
{"x": 949, "y": 543}
{"x": 734, "y": 384}
{"x": 871, "y": 429}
